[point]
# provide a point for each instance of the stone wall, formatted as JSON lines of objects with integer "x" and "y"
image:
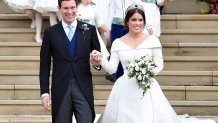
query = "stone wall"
{"x": 184, "y": 7}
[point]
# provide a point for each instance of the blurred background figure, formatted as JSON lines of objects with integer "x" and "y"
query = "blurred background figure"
{"x": 45, "y": 7}
{"x": 152, "y": 14}
{"x": 88, "y": 12}
{"x": 34, "y": 10}
{"x": 18, "y": 6}
{"x": 103, "y": 12}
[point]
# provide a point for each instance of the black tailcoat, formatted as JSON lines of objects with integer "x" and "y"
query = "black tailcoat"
{"x": 54, "y": 49}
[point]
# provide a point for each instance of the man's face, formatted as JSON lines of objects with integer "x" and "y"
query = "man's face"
{"x": 68, "y": 11}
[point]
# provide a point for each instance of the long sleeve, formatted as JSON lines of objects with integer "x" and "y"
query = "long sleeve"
{"x": 157, "y": 53}
{"x": 111, "y": 65}
{"x": 111, "y": 13}
{"x": 98, "y": 16}
{"x": 45, "y": 64}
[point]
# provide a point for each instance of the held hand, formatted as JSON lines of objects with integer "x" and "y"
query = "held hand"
{"x": 95, "y": 57}
{"x": 45, "y": 100}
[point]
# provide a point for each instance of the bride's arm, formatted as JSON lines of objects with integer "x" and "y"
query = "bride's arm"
{"x": 157, "y": 53}
{"x": 111, "y": 65}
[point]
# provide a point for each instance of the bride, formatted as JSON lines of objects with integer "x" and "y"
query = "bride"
{"x": 125, "y": 103}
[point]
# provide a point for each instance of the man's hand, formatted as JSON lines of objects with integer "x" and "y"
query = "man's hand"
{"x": 45, "y": 100}
{"x": 95, "y": 57}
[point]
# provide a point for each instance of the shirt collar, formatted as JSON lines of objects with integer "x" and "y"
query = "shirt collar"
{"x": 74, "y": 24}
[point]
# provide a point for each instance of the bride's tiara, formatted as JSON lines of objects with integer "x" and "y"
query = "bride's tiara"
{"x": 134, "y": 6}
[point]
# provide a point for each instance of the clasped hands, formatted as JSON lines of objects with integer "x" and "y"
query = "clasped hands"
{"x": 95, "y": 57}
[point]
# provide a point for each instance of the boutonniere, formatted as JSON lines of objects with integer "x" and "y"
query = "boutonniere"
{"x": 84, "y": 27}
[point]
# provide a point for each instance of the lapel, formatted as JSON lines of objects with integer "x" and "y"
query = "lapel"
{"x": 80, "y": 39}
{"x": 62, "y": 38}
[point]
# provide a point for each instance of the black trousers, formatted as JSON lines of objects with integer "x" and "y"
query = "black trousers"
{"x": 75, "y": 103}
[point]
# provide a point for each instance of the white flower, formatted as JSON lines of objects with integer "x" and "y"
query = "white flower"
{"x": 139, "y": 77}
{"x": 143, "y": 71}
{"x": 142, "y": 68}
{"x": 143, "y": 83}
{"x": 137, "y": 68}
{"x": 84, "y": 27}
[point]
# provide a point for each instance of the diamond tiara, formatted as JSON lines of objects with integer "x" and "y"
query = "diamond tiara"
{"x": 134, "y": 6}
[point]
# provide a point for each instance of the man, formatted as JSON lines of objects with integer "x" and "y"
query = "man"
{"x": 71, "y": 90}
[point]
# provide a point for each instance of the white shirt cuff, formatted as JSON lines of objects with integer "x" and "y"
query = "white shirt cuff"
{"x": 45, "y": 94}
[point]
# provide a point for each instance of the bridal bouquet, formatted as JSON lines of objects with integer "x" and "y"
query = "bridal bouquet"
{"x": 142, "y": 68}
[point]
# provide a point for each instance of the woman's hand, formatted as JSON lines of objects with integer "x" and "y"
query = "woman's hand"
{"x": 95, "y": 57}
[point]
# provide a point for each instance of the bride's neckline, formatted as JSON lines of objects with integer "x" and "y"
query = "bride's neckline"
{"x": 136, "y": 46}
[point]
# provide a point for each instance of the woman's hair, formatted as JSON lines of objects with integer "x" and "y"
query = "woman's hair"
{"x": 131, "y": 11}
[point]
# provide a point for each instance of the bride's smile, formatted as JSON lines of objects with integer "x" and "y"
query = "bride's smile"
{"x": 136, "y": 23}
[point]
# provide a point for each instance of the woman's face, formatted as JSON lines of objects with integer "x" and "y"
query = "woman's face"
{"x": 136, "y": 23}
{"x": 86, "y": 2}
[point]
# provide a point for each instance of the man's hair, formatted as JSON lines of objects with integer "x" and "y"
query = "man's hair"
{"x": 60, "y": 1}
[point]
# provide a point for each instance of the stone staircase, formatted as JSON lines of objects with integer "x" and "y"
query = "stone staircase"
{"x": 189, "y": 79}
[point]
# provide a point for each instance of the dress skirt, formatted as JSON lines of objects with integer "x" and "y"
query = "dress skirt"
{"x": 13, "y": 5}
{"x": 22, "y": 4}
{"x": 126, "y": 104}
{"x": 45, "y": 6}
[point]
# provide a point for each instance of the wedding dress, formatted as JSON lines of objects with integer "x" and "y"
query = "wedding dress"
{"x": 126, "y": 103}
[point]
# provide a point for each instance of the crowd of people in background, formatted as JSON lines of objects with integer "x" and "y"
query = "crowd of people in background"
{"x": 103, "y": 14}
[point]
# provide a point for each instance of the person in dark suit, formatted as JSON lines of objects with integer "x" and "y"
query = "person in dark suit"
{"x": 68, "y": 45}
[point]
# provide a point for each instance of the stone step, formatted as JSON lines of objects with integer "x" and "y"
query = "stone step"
{"x": 169, "y": 49}
{"x": 182, "y": 63}
{"x": 31, "y": 92}
{"x": 19, "y": 21}
{"x": 17, "y": 35}
{"x": 189, "y": 21}
{"x": 190, "y": 49}
{"x": 19, "y": 49}
{"x": 189, "y": 93}
{"x": 31, "y": 118}
{"x": 189, "y": 35}
{"x": 168, "y": 21}
{"x": 200, "y": 78}
{"x": 179, "y": 63}
{"x": 168, "y": 35}
{"x": 47, "y": 118}
{"x": 33, "y": 107}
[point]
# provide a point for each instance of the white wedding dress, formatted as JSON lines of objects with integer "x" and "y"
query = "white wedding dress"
{"x": 126, "y": 103}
